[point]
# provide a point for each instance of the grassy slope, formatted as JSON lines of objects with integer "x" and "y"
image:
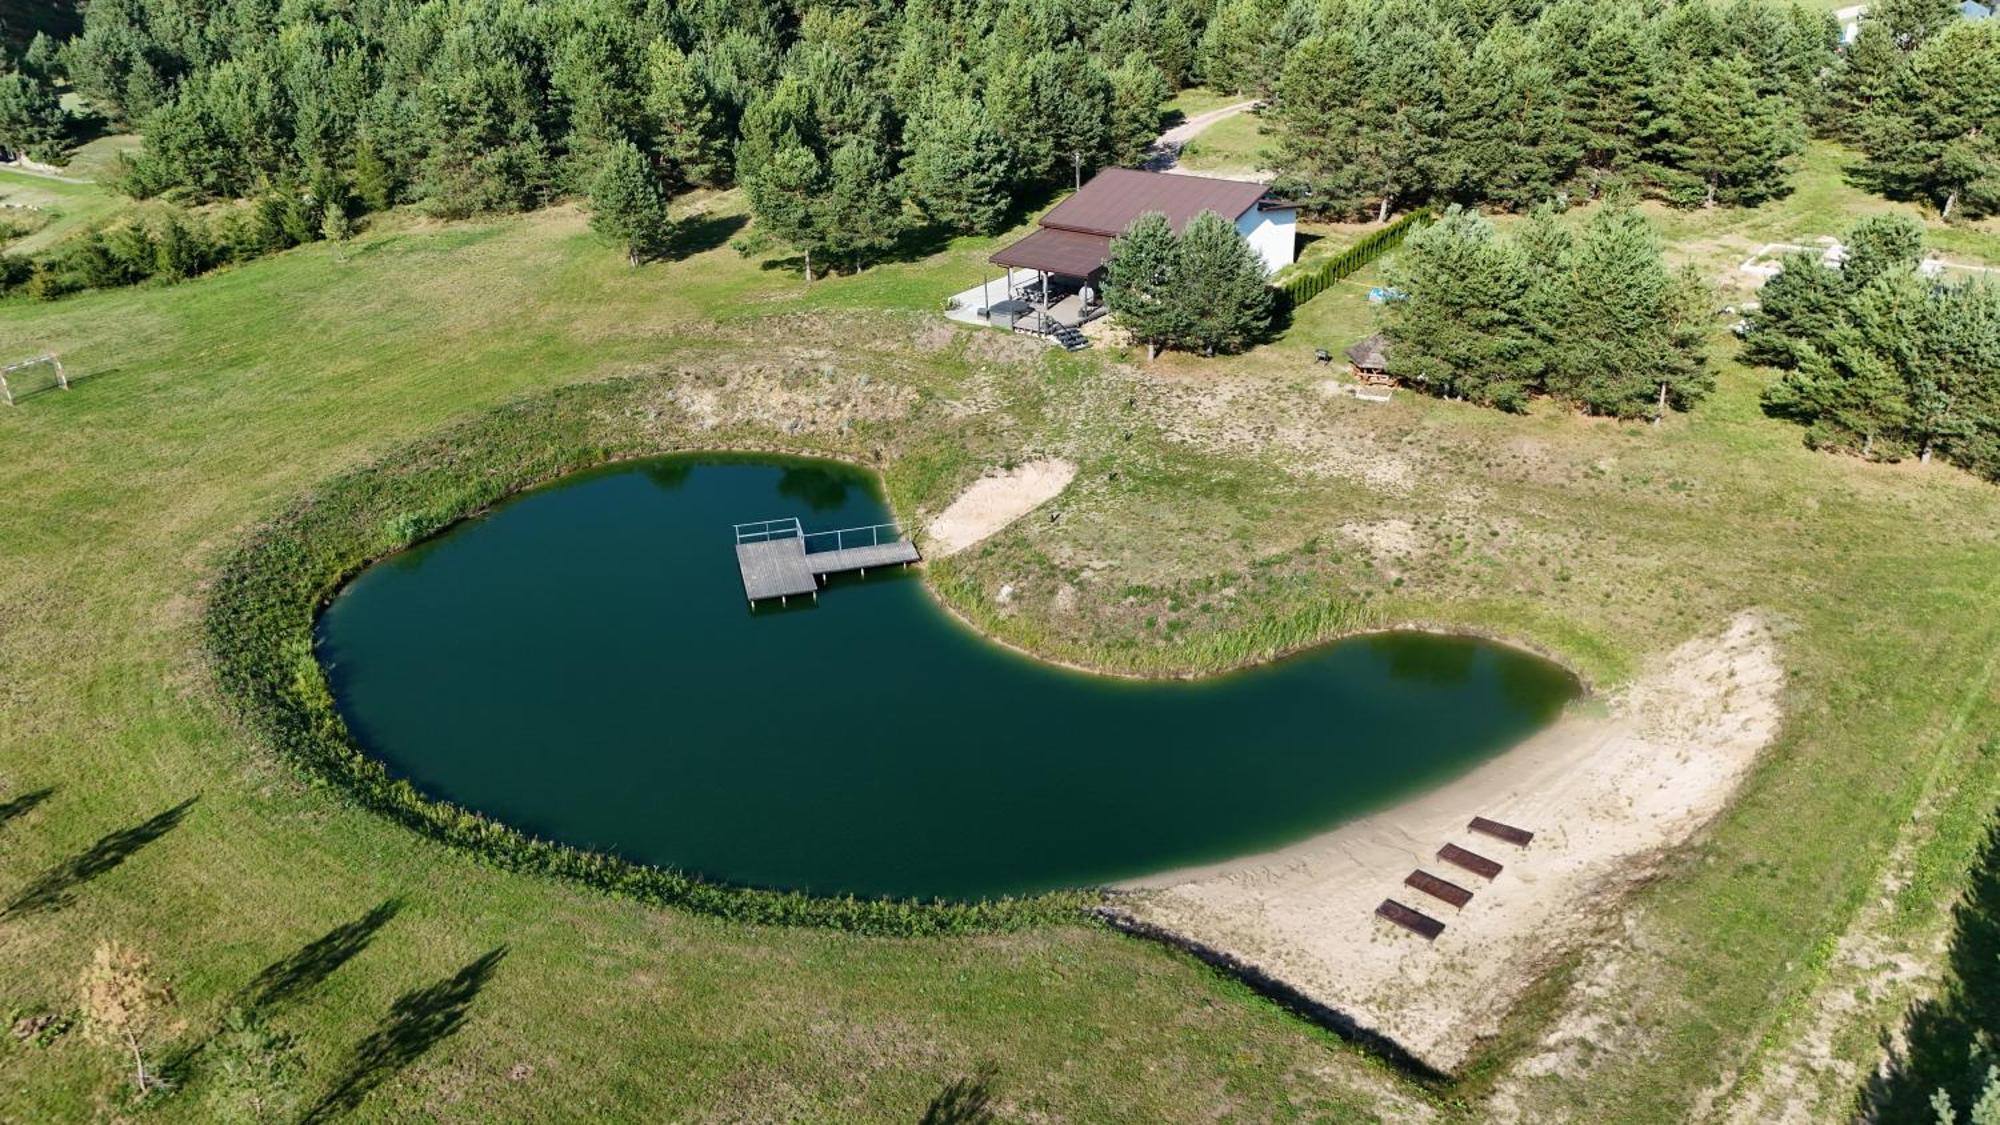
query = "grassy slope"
{"x": 64, "y": 207}
{"x": 213, "y": 402}
{"x": 1199, "y": 99}
{"x": 1234, "y": 145}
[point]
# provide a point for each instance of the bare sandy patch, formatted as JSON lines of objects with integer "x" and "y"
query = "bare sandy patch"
{"x": 996, "y": 500}
{"x": 1387, "y": 540}
{"x": 1605, "y": 795}
{"x": 1280, "y": 424}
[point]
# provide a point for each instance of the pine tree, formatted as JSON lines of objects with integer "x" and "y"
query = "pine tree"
{"x": 1735, "y": 145}
{"x": 785, "y": 190}
{"x": 1461, "y": 331}
{"x": 1864, "y": 78}
{"x": 43, "y": 58}
{"x": 1953, "y": 380}
{"x": 1316, "y": 114}
{"x": 957, "y": 169}
{"x": 1138, "y": 90}
{"x": 1933, "y": 136}
{"x": 862, "y": 212}
{"x": 1510, "y": 138}
{"x": 626, "y": 204}
{"x": 1054, "y": 109}
{"x": 374, "y": 180}
{"x": 685, "y": 129}
{"x": 1220, "y": 283}
{"x": 1851, "y": 389}
{"x": 1614, "y": 94}
{"x": 1797, "y": 309}
{"x": 1620, "y": 334}
{"x": 1238, "y": 51}
{"x": 1409, "y": 69}
{"x": 31, "y": 117}
{"x": 1139, "y": 282}
{"x": 1881, "y": 245}
{"x": 1911, "y": 23}
{"x": 1175, "y": 45}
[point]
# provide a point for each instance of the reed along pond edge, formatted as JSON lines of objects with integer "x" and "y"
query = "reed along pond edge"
{"x": 261, "y": 608}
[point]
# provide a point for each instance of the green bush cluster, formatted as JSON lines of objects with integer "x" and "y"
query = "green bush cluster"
{"x": 171, "y": 244}
{"x": 1308, "y": 283}
{"x": 258, "y": 627}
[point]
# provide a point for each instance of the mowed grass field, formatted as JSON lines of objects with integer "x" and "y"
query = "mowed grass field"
{"x": 479, "y": 995}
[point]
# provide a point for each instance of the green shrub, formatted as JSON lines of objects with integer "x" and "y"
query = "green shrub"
{"x": 1317, "y": 278}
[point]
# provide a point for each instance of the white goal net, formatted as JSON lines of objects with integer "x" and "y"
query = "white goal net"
{"x": 25, "y": 377}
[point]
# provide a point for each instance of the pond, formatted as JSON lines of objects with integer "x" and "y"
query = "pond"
{"x": 580, "y": 663}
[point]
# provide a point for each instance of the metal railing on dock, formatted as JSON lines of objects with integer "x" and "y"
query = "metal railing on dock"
{"x": 841, "y": 538}
{"x": 779, "y": 558}
{"x": 763, "y": 531}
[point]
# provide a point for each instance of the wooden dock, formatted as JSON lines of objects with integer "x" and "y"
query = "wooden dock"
{"x": 780, "y": 559}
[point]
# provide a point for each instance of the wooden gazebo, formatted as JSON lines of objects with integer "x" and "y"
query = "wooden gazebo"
{"x": 1368, "y": 359}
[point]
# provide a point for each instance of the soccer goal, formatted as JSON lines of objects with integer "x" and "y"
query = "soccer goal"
{"x": 19, "y": 380}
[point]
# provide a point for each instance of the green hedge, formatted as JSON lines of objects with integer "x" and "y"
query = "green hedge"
{"x": 259, "y": 622}
{"x": 1308, "y": 283}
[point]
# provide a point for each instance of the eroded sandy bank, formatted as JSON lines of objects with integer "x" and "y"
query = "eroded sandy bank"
{"x": 994, "y": 501}
{"x": 1604, "y": 795}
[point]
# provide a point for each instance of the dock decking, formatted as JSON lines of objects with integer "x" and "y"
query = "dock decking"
{"x": 780, "y": 559}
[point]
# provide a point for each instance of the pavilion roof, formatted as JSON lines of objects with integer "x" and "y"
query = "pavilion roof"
{"x": 1066, "y": 252}
{"x": 1116, "y": 196}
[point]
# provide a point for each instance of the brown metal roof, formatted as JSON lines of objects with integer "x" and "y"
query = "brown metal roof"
{"x": 1116, "y": 196}
{"x": 1066, "y": 252}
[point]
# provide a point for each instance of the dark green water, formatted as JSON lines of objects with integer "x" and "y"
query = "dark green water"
{"x": 580, "y": 663}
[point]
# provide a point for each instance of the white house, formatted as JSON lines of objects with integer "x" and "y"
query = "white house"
{"x": 1054, "y": 277}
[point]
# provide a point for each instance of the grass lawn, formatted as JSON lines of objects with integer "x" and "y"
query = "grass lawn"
{"x": 1233, "y": 145}
{"x": 1198, "y": 99}
{"x": 205, "y": 407}
{"x": 52, "y": 209}
{"x": 97, "y": 159}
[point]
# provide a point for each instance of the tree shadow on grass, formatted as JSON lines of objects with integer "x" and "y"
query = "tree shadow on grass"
{"x": 289, "y": 978}
{"x": 967, "y": 1101}
{"x": 417, "y": 1021}
{"x": 1953, "y": 1037}
{"x": 699, "y": 234}
{"x": 56, "y": 888}
{"x": 24, "y": 804}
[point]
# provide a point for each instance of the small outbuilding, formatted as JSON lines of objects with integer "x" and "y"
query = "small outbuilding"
{"x": 1369, "y": 360}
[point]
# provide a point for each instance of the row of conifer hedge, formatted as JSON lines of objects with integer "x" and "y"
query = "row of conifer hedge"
{"x": 1310, "y": 282}
{"x": 259, "y": 623}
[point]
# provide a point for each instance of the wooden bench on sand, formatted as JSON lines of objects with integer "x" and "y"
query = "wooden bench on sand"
{"x": 1437, "y": 888}
{"x": 1519, "y": 837}
{"x": 1471, "y": 861}
{"x": 1415, "y": 921}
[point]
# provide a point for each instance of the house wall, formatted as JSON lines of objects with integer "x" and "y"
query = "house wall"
{"x": 1273, "y": 234}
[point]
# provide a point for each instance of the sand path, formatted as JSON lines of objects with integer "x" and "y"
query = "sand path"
{"x": 1164, "y": 154}
{"x": 995, "y": 501}
{"x": 1604, "y": 795}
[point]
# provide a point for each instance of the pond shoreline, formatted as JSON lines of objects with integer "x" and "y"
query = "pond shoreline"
{"x": 270, "y": 587}
{"x": 1607, "y": 797}
{"x": 568, "y": 615}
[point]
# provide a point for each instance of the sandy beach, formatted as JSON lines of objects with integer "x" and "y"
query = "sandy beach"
{"x": 996, "y": 500}
{"x": 1604, "y": 794}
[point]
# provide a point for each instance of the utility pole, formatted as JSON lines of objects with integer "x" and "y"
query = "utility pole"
{"x": 1076, "y": 157}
